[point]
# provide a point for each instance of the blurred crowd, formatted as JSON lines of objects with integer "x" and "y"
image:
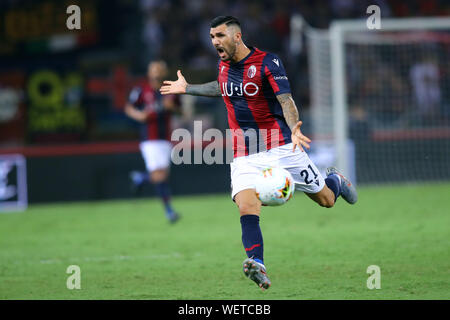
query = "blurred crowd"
{"x": 178, "y": 31}
{"x": 403, "y": 85}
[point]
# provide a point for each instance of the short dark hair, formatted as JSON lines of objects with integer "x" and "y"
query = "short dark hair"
{"x": 228, "y": 20}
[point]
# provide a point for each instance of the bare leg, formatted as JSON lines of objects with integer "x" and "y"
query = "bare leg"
{"x": 159, "y": 175}
{"x": 247, "y": 202}
{"x": 325, "y": 197}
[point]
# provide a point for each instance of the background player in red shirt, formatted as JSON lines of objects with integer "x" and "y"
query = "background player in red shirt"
{"x": 256, "y": 92}
{"x": 147, "y": 106}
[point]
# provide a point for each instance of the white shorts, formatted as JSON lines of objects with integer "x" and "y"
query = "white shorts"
{"x": 306, "y": 176}
{"x": 156, "y": 154}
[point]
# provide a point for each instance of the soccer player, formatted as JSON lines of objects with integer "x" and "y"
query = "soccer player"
{"x": 257, "y": 95}
{"x": 147, "y": 106}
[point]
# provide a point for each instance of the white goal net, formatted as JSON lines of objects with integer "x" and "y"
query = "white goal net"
{"x": 386, "y": 94}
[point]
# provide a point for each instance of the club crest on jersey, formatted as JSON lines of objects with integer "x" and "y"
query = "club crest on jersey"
{"x": 251, "y": 71}
{"x": 250, "y": 89}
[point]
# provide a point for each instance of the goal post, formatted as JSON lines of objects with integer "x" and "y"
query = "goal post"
{"x": 338, "y": 32}
{"x": 346, "y": 62}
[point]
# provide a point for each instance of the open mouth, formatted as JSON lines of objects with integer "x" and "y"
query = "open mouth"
{"x": 220, "y": 51}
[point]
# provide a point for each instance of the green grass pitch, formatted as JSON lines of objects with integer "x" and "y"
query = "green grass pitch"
{"x": 127, "y": 250}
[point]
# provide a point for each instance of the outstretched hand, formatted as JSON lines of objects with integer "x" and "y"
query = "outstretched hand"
{"x": 298, "y": 139}
{"x": 174, "y": 87}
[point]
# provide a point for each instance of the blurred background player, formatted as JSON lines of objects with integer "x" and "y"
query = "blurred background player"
{"x": 261, "y": 100}
{"x": 147, "y": 106}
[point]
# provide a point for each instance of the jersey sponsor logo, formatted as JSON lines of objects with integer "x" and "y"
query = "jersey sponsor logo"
{"x": 250, "y": 89}
{"x": 280, "y": 78}
{"x": 251, "y": 71}
{"x": 276, "y": 62}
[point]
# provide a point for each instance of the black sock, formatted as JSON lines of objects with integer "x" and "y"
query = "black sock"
{"x": 252, "y": 237}
{"x": 163, "y": 191}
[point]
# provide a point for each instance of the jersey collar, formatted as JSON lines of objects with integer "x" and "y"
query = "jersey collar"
{"x": 252, "y": 50}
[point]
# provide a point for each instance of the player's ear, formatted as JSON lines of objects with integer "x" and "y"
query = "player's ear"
{"x": 237, "y": 37}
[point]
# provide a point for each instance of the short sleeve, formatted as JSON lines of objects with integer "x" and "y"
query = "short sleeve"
{"x": 276, "y": 74}
{"x": 218, "y": 68}
{"x": 134, "y": 97}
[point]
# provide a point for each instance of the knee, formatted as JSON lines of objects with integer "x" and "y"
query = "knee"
{"x": 325, "y": 198}
{"x": 158, "y": 176}
{"x": 326, "y": 202}
{"x": 247, "y": 202}
{"x": 248, "y": 208}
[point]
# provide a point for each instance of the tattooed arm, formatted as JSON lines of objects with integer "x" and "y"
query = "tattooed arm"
{"x": 180, "y": 86}
{"x": 209, "y": 89}
{"x": 290, "y": 113}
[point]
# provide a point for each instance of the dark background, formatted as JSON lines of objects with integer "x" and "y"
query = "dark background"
{"x": 69, "y": 86}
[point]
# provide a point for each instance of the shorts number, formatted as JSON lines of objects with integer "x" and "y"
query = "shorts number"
{"x": 305, "y": 174}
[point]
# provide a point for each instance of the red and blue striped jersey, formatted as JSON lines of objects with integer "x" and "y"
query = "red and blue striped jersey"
{"x": 157, "y": 126}
{"x": 249, "y": 89}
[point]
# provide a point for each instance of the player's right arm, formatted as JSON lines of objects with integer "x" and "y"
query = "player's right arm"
{"x": 180, "y": 86}
{"x": 132, "y": 112}
{"x": 130, "y": 108}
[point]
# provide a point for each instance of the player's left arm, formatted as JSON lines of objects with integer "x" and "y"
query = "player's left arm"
{"x": 291, "y": 116}
{"x": 276, "y": 75}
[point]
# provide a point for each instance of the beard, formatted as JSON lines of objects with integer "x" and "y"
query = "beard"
{"x": 228, "y": 53}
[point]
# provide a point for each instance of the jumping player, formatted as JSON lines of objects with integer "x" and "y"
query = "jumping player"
{"x": 257, "y": 95}
{"x": 148, "y": 106}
